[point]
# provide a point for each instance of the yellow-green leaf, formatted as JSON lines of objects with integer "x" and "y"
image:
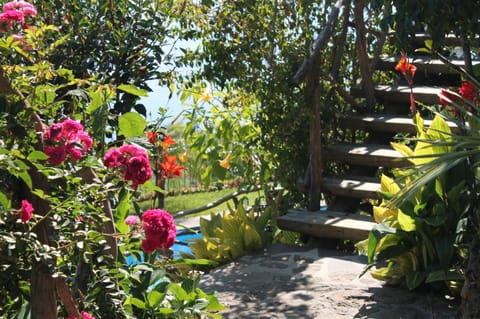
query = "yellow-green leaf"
{"x": 406, "y": 222}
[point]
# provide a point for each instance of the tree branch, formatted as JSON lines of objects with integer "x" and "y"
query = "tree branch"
{"x": 318, "y": 44}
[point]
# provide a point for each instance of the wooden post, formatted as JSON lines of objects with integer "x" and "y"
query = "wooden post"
{"x": 366, "y": 73}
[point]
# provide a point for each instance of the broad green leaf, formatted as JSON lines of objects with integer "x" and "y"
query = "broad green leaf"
{"x": 132, "y": 89}
{"x": 5, "y": 203}
{"x": 155, "y": 298}
{"x": 97, "y": 99}
{"x": 37, "y": 156}
{"x": 406, "y": 222}
{"x": 402, "y": 149}
{"x": 131, "y": 124}
{"x": 389, "y": 185}
{"x": 419, "y": 123}
{"x": 178, "y": 291}
{"x": 135, "y": 302}
{"x": 383, "y": 214}
{"x": 415, "y": 279}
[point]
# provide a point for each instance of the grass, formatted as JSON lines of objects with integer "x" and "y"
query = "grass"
{"x": 177, "y": 203}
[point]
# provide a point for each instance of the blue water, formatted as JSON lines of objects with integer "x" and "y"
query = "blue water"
{"x": 181, "y": 244}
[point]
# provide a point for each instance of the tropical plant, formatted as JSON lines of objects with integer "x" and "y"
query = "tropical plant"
{"x": 422, "y": 238}
{"x": 429, "y": 220}
{"x": 228, "y": 236}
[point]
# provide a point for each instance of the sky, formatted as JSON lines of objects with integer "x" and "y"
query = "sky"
{"x": 159, "y": 98}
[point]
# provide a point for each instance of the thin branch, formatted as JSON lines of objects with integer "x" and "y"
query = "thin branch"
{"x": 215, "y": 203}
{"x": 319, "y": 43}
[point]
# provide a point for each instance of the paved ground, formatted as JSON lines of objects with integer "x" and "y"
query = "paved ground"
{"x": 295, "y": 282}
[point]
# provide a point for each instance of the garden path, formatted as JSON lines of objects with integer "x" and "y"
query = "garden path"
{"x": 290, "y": 282}
{"x": 299, "y": 282}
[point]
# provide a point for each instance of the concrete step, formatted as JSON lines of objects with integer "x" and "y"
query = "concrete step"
{"x": 327, "y": 224}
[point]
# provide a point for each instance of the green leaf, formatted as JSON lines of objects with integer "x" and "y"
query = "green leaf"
{"x": 415, "y": 279}
{"x": 5, "y": 203}
{"x": 178, "y": 292}
{"x": 136, "y": 302}
{"x": 155, "y": 298}
{"x": 131, "y": 124}
{"x": 406, "y": 222}
{"x": 132, "y": 89}
{"x": 37, "y": 156}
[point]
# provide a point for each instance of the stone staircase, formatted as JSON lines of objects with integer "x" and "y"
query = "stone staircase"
{"x": 370, "y": 158}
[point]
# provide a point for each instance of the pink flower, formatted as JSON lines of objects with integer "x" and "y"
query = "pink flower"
{"x": 113, "y": 158}
{"x": 22, "y": 6}
{"x": 86, "y": 315}
{"x": 132, "y": 220}
{"x": 26, "y": 211}
{"x": 133, "y": 163}
{"x": 137, "y": 170}
{"x": 56, "y": 154}
{"x": 160, "y": 230}
{"x": 70, "y": 139}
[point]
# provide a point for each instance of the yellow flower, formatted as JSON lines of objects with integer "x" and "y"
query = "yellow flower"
{"x": 206, "y": 96}
{"x": 225, "y": 163}
{"x": 183, "y": 157}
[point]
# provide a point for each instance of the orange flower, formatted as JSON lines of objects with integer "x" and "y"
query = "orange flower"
{"x": 225, "y": 163}
{"x": 152, "y": 137}
{"x": 405, "y": 67}
{"x": 170, "y": 167}
{"x": 167, "y": 141}
{"x": 183, "y": 157}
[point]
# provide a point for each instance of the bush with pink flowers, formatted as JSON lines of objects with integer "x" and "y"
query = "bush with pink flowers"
{"x": 69, "y": 221}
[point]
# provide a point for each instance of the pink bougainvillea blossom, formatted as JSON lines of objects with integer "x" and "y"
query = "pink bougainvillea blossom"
{"x": 160, "y": 230}
{"x": 26, "y": 211}
{"x": 67, "y": 138}
{"x": 132, "y": 161}
{"x": 132, "y": 220}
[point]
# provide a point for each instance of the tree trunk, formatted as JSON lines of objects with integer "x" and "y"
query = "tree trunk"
{"x": 43, "y": 300}
{"x": 470, "y": 307}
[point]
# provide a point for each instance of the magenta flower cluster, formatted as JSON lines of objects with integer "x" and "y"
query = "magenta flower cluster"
{"x": 160, "y": 230}
{"x": 132, "y": 161}
{"x": 85, "y": 315}
{"x": 16, "y": 12}
{"x": 68, "y": 139}
{"x": 26, "y": 211}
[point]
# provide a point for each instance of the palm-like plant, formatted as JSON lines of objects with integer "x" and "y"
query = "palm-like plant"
{"x": 429, "y": 220}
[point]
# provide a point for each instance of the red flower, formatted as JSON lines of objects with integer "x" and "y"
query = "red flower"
{"x": 406, "y": 68}
{"x": 160, "y": 230}
{"x": 468, "y": 91}
{"x": 170, "y": 167}
{"x": 167, "y": 141}
{"x": 26, "y": 211}
{"x": 152, "y": 137}
{"x": 446, "y": 97}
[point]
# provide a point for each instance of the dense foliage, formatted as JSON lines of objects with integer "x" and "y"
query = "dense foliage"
{"x": 67, "y": 245}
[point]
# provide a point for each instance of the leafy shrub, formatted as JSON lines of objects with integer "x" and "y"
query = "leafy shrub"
{"x": 231, "y": 235}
